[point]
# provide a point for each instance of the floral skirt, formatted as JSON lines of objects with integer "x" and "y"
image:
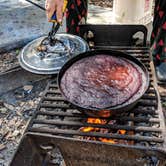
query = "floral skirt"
{"x": 158, "y": 37}
{"x": 76, "y": 14}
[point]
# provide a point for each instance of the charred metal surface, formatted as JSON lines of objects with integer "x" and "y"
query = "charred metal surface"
{"x": 57, "y": 123}
{"x": 38, "y": 149}
{"x": 17, "y": 77}
{"x": 114, "y": 35}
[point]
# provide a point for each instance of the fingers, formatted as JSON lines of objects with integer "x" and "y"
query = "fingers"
{"x": 50, "y": 8}
{"x": 59, "y": 12}
{"x": 54, "y": 6}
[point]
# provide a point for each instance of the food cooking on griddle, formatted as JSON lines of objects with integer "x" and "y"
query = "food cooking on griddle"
{"x": 101, "y": 81}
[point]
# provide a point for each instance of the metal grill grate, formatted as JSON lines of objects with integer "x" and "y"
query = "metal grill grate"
{"x": 57, "y": 125}
{"x": 144, "y": 124}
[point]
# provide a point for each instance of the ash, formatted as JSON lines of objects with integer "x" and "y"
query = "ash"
{"x": 9, "y": 60}
{"x": 16, "y": 108}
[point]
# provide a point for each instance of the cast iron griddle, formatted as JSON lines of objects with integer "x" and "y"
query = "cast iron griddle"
{"x": 101, "y": 81}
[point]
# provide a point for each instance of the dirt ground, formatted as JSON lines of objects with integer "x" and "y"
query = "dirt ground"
{"x": 8, "y": 60}
{"x": 16, "y": 109}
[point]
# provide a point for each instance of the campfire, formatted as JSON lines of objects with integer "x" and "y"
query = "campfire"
{"x": 103, "y": 130}
{"x": 132, "y": 138}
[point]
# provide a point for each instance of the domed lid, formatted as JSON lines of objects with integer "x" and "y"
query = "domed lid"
{"x": 42, "y": 58}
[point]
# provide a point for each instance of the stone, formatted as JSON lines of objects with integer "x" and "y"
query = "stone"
{"x": 9, "y": 106}
{"x": 2, "y": 147}
{"x": 28, "y": 88}
{"x": 15, "y": 133}
{"x": 3, "y": 110}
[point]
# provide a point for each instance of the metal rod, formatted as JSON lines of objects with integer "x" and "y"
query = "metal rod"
{"x": 82, "y": 116}
{"x": 55, "y": 106}
{"x": 41, "y": 7}
{"x": 95, "y": 134}
{"x": 104, "y": 126}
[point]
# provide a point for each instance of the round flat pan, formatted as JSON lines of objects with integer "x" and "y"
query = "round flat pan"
{"x": 108, "y": 111}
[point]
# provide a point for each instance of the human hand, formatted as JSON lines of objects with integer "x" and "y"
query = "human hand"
{"x": 54, "y": 6}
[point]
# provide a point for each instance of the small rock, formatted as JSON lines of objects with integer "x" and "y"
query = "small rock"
{"x": 1, "y": 103}
{"x": 2, "y": 147}
{"x": 2, "y": 161}
{"x": 22, "y": 103}
{"x": 9, "y": 106}
{"x": 1, "y": 156}
{"x": 15, "y": 133}
{"x": 17, "y": 51}
{"x": 1, "y": 122}
{"x": 12, "y": 122}
{"x": 31, "y": 103}
{"x": 164, "y": 104}
{"x": 3, "y": 110}
{"x": 19, "y": 94}
{"x": 28, "y": 88}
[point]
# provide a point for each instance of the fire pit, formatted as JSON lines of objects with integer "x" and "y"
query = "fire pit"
{"x": 135, "y": 138}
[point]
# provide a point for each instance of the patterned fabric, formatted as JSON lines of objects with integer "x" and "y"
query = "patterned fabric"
{"x": 158, "y": 37}
{"x": 75, "y": 15}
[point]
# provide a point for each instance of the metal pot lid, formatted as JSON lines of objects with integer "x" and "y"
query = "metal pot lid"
{"x": 53, "y": 57}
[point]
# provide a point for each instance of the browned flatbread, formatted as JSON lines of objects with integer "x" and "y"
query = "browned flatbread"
{"x": 101, "y": 81}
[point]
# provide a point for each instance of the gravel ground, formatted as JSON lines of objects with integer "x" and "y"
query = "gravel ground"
{"x": 14, "y": 116}
{"x": 16, "y": 108}
{"x": 8, "y": 60}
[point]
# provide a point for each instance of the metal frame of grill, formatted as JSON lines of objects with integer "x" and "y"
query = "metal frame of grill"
{"x": 56, "y": 123}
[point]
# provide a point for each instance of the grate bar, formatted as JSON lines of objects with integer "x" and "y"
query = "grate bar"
{"x": 59, "y": 98}
{"x": 104, "y": 126}
{"x": 83, "y": 116}
{"x": 54, "y": 105}
{"x": 95, "y": 134}
{"x": 147, "y": 103}
{"x": 57, "y": 91}
{"x": 145, "y": 112}
{"x": 53, "y": 86}
{"x": 57, "y": 117}
{"x": 146, "y": 96}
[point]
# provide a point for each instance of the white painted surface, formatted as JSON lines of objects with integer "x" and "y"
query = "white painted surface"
{"x": 132, "y": 11}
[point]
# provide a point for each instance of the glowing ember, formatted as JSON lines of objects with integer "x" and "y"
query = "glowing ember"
{"x": 122, "y": 132}
{"x": 101, "y": 130}
{"x": 107, "y": 140}
{"x": 87, "y": 129}
{"x": 94, "y": 121}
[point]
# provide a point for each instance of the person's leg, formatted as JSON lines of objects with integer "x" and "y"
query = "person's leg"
{"x": 76, "y": 14}
{"x": 158, "y": 39}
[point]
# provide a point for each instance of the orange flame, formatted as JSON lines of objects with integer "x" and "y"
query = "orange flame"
{"x": 107, "y": 140}
{"x": 94, "y": 121}
{"x": 121, "y": 132}
{"x": 92, "y": 129}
